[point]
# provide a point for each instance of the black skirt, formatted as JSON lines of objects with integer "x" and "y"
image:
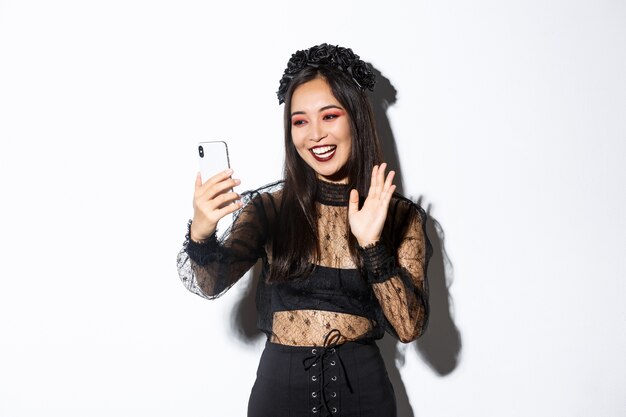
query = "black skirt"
{"x": 347, "y": 380}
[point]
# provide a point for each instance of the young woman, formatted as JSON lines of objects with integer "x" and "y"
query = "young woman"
{"x": 344, "y": 257}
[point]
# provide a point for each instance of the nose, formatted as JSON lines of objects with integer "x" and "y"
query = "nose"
{"x": 317, "y": 132}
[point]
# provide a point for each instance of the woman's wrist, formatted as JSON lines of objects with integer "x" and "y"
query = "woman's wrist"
{"x": 198, "y": 238}
{"x": 378, "y": 262}
{"x": 363, "y": 243}
{"x": 201, "y": 251}
{"x": 367, "y": 244}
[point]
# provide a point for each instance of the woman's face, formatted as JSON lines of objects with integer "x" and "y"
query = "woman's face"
{"x": 320, "y": 130}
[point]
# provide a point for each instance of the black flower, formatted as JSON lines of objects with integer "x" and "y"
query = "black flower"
{"x": 282, "y": 89}
{"x": 345, "y": 57}
{"x": 296, "y": 63}
{"x": 363, "y": 75}
{"x": 319, "y": 54}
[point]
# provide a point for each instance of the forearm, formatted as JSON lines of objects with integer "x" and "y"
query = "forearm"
{"x": 400, "y": 293}
{"x": 210, "y": 267}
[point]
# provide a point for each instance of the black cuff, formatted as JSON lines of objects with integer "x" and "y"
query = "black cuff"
{"x": 379, "y": 264}
{"x": 201, "y": 252}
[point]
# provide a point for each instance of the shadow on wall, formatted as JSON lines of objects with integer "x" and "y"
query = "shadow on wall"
{"x": 440, "y": 346}
{"x": 244, "y": 317}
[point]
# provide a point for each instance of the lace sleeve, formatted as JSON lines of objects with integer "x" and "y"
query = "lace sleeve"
{"x": 211, "y": 267}
{"x": 399, "y": 279}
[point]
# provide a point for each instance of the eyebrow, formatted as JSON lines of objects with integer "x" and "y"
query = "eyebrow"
{"x": 330, "y": 106}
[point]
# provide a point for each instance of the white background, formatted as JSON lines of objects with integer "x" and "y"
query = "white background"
{"x": 509, "y": 123}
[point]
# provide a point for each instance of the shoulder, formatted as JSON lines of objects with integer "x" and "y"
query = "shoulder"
{"x": 264, "y": 199}
{"x": 267, "y": 193}
{"x": 403, "y": 208}
{"x": 407, "y": 223}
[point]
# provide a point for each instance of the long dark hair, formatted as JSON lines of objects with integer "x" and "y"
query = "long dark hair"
{"x": 294, "y": 238}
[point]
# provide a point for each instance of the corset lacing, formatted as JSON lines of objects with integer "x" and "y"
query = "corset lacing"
{"x": 326, "y": 357}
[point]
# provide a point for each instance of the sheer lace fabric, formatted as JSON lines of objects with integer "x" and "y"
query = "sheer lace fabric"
{"x": 310, "y": 327}
{"x": 333, "y": 230}
{"x": 385, "y": 288}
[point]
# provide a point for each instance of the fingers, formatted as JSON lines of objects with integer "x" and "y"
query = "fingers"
{"x": 373, "y": 181}
{"x": 353, "y": 203}
{"x": 211, "y": 206}
{"x": 216, "y": 193}
{"x": 221, "y": 187}
{"x": 216, "y": 185}
{"x": 228, "y": 209}
{"x": 224, "y": 200}
{"x": 219, "y": 177}
{"x": 389, "y": 187}
{"x": 380, "y": 180}
{"x": 379, "y": 185}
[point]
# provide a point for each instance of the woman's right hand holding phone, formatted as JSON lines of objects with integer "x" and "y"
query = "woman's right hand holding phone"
{"x": 211, "y": 201}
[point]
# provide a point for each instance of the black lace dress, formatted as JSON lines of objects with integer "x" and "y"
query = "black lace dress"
{"x": 330, "y": 317}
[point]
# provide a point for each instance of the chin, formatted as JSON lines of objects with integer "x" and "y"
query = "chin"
{"x": 333, "y": 176}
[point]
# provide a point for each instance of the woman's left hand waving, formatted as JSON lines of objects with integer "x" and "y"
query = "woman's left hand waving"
{"x": 367, "y": 224}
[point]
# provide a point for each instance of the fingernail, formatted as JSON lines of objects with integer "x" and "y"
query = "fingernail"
{"x": 228, "y": 171}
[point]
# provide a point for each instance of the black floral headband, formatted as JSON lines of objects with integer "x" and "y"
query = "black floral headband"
{"x": 327, "y": 55}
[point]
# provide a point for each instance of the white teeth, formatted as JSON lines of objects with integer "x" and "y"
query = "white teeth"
{"x": 322, "y": 149}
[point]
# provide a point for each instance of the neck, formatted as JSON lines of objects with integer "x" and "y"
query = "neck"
{"x": 339, "y": 177}
{"x": 332, "y": 193}
{"x": 333, "y": 180}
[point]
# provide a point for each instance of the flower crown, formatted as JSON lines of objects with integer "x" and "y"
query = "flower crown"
{"x": 331, "y": 56}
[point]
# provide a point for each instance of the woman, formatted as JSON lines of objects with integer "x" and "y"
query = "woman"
{"x": 344, "y": 258}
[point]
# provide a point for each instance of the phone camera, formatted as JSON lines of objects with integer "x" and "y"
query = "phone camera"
{"x": 201, "y": 151}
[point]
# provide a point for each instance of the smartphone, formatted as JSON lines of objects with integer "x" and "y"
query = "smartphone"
{"x": 213, "y": 158}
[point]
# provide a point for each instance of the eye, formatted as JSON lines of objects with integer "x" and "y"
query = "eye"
{"x": 330, "y": 116}
{"x": 298, "y": 122}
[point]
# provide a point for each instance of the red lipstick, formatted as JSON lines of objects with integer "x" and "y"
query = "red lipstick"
{"x": 323, "y": 153}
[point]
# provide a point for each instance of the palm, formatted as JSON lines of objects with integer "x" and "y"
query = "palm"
{"x": 367, "y": 223}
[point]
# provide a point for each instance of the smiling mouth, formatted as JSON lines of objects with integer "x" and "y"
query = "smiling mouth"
{"x": 323, "y": 153}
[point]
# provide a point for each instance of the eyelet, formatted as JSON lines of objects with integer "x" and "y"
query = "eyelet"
{"x": 332, "y": 363}
{"x": 334, "y": 410}
{"x": 313, "y": 378}
{"x": 334, "y": 378}
{"x": 332, "y": 350}
{"x": 314, "y": 409}
{"x": 314, "y": 394}
{"x": 334, "y": 394}
{"x": 314, "y": 351}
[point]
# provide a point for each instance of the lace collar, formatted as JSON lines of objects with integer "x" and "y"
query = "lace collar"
{"x": 332, "y": 194}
